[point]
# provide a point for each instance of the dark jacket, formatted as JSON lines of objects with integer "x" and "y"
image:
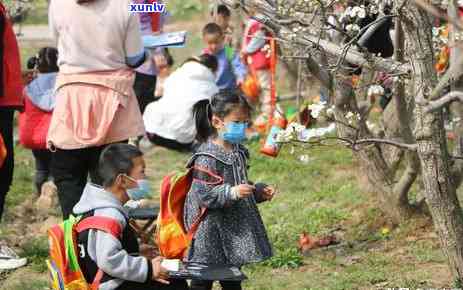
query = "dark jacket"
{"x": 232, "y": 232}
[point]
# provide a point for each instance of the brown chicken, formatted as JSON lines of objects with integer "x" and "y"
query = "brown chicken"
{"x": 307, "y": 242}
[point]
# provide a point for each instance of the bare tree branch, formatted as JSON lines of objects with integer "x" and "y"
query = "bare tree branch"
{"x": 438, "y": 104}
{"x": 408, "y": 177}
{"x": 352, "y": 55}
{"x": 355, "y": 144}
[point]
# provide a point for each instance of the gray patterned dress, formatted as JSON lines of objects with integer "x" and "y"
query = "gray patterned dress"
{"x": 232, "y": 231}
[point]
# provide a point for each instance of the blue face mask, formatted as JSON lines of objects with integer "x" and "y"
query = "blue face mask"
{"x": 235, "y": 132}
{"x": 142, "y": 191}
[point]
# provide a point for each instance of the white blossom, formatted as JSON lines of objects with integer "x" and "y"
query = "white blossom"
{"x": 352, "y": 27}
{"x": 284, "y": 136}
{"x": 316, "y": 109}
{"x": 375, "y": 90}
{"x": 330, "y": 111}
{"x": 304, "y": 158}
{"x": 362, "y": 13}
{"x": 371, "y": 126}
{"x": 349, "y": 115}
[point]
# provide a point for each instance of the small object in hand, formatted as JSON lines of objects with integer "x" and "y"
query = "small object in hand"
{"x": 264, "y": 190}
{"x": 171, "y": 264}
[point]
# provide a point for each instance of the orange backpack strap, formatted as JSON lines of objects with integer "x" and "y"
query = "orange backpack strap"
{"x": 96, "y": 282}
{"x": 202, "y": 214}
{"x": 195, "y": 225}
{"x": 215, "y": 178}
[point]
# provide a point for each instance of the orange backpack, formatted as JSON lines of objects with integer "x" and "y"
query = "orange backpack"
{"x": 63, "y": 265}
{"x": 171, "y": 236}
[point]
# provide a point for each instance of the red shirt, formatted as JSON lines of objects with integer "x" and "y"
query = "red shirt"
{"x": 260, "y": 59}
{"x": 12, "y": 79}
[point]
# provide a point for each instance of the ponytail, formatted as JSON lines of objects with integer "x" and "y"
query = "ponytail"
{"x": 207, "y": 60}
{"x": 46, "y": 61}
{"x": 203, "y": 119}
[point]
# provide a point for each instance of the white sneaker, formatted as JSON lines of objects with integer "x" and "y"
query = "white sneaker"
{"x": 9, "y": 260}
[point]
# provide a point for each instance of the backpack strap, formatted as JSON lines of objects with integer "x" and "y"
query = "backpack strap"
{"x": 194, "y": 227}
{"x": 101, "y": 223}
{"x": 105, "y": 224}
{"x": 96, "y": 282}
{"x": 229, "y": 53}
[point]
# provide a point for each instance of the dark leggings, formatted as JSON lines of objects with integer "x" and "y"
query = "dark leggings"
{"x": 70, "y": 170}
{"x": 6, "y": 171}
{"x": 207, "y": 285}
{"x": 144, "y": 87}
{"x": 42, "y": 167}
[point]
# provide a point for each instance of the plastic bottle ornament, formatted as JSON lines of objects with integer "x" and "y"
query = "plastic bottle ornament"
{"x": 271, "y": 147}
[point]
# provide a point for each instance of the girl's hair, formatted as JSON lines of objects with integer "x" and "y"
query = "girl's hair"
{"x": 170, "y": 59}
{"x": 46, "y": 61}
{"x": 221, "y": 104}
{"x": 208, "y": 60}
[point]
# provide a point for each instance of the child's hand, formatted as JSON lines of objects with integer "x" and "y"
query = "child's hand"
{"x": 243, "y": 190}
{"x": 268, "y": 193}
{"x": 160, "y": 274}
{"x": 264, "y": 192}
{"x": 160, "y": 60}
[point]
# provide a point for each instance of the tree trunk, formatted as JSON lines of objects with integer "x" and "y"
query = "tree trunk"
{"x": 439, "y": 190}
{"x": 370, "y": 157}
{"x": 457, "y": 107}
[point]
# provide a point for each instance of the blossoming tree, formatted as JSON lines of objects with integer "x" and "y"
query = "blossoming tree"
{"x": 338, "y": 39}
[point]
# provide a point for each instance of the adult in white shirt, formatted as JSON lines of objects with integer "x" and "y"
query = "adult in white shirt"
{"x": 169, "y": 122}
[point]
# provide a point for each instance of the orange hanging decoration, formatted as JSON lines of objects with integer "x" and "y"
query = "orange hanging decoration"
{"x": 3, "y": 151}
{"x": 273, "y": 92}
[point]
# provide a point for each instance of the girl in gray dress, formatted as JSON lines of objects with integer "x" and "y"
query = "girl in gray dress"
{"x": 231, "y": 231}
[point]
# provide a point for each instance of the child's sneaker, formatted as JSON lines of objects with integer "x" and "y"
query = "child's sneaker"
{"x": 9, "y": 260}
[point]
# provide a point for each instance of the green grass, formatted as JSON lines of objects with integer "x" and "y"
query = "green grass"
{"x": 23, "y": 185}
{"x": 314, "y": 197}
{"x": 185, "y": 10}
{"x": 37, "y": 252}
{"x": 29, "y": 285}
{"x": 38, "y": 14}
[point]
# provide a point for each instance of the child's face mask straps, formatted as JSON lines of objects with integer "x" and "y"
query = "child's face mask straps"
{"x": 142, "y": 191}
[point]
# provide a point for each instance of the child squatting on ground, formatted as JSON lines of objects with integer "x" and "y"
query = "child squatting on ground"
{"x": 232, "y": 231}
{"x": 122, "y": 171}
